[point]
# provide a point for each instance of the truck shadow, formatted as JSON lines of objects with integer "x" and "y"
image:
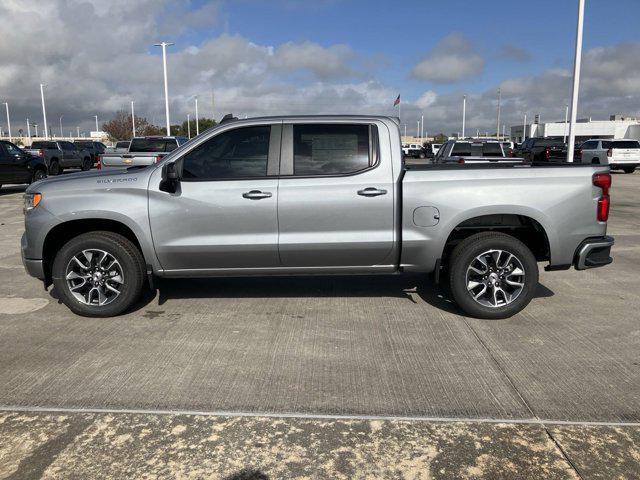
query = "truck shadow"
{"x": 413, "y": 288}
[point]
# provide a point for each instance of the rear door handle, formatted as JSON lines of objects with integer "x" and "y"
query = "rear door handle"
{"x": 372, "y": 192}
{"x": 256, "y": 195}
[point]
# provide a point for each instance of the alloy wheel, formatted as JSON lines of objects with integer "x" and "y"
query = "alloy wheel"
{"x": 94, "y": 277}
{"x": 495, "y": 278}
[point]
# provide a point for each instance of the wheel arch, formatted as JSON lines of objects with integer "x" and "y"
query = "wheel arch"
{"x": 61, "y": 233}
{"x": 523, "y": 226}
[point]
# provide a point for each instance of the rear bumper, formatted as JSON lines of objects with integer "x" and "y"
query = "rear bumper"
{"x": 594, "y": 252}
{"x": 623, "y": 164}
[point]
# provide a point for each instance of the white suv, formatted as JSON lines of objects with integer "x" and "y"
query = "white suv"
{"x": 618, "y": 154}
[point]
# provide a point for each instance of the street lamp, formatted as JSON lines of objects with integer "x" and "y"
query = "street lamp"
{"x": 188, "y": 126}
{"x": 164, "y": 46}
{"x": 464, "y": 112}
{"x": 133, "y": 120}
{"x": 197, "y": 119}
{"x": 61, "y": 134}
{"x": 28, "y": 128}
{"x": 44, "y": 112}
{"x": 6, "y": 104}
{"x": 96, "y": 117}
{"x": 566, "y": 115}
{"x": 498, "y": 122}
{"x": 78, "y": 131}
{"x": 576, "y": 81}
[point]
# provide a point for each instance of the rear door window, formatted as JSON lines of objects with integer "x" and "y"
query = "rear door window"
{"x": 461, "y": 149}
{"x": 320, "y": 149}
{"x": 491, "y": 150}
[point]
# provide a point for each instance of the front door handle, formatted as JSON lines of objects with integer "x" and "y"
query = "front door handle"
{"x": 372, "y": 192}
{"x": 256, "y": 195}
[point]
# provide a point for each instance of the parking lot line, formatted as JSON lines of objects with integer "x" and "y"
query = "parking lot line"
{"x": 312, "y": 416}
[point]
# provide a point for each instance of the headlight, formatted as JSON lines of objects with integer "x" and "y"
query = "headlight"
{"x": 31, "y": 200}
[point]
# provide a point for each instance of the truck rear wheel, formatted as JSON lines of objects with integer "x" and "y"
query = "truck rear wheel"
{"x": 55, "y": 168}
{"x": 98, "y": 274}
{"x": 492, "y": 275}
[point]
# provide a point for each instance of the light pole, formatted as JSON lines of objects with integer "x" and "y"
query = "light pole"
{"x": 418, "y": 129}
{"x": 44, "y": 112}
{"x": 133, "y": 120}
{"x": 464, "y": 113}
{"x": 28, "y": 128}
{"x": 36, "y": 127}
{"x": 78, "y": 131}
{"x": 524, "y": 128}
{"x": 6, "y": 104}
{"x": 566, "y": 115}
{"x": 421, "y": 128}
{"x": 197, "y": 118}
{"x": 164, "y": 46}
{"x": 498, "y": 122}
{"x": 96, "y": 117}
{"x": 576, "y": 81}
{"x": 61, "y": 134}
{"x": 189, "y": 126}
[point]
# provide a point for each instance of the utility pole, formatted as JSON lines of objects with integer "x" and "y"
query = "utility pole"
{"x": 197, "y": 119}
{"x": 576, "y": 81}
{"x": 421, "y": 127}
{"x": 6, "y": 104}
{"x": 498, "y": 123}
{"x": 164, "y": 46}
{"x": 78, "y": 131}
{"x": 44, "y": 112}
{"x": 133, "y": 120}
{"x": 464, "y": 113}
{"x": 36, "y": 126}
{"x": 213, "y": 112}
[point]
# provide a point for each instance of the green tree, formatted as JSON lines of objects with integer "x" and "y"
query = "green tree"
{"x": 183, "y": 129}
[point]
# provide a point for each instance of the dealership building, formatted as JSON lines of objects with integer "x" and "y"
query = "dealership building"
{"x": 618, "y": 126}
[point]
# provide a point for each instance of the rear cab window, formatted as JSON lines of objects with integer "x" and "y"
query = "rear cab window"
{"x": 623, "y": 144}
{"x": 150, "y": 145}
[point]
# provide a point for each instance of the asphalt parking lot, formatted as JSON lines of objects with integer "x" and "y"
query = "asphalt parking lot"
{"x": 385, "y": 363}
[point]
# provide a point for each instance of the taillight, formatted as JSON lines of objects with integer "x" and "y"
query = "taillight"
{"x": 579, "y": 154}
{"x": 461, "y": 160}
{"x": 511, "y": 154}
{"x": 603, "y": 181}
{"x": 99, "y": 162}
{"x": 41, "y": 153}
{"x": 547, "y": 153}
{"x": 158, "y": 158}
{"x": 609, "y": 153}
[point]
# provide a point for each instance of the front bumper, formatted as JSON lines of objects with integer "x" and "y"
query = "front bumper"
{"x": 34, "y": 267}
{"x": 594, "y": 252}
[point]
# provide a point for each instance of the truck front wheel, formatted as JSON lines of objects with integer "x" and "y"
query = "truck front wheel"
{"x": 492, "y": 275}
{"x": 98, "y": 274}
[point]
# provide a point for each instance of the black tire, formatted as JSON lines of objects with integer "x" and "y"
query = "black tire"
{"x": 628, "y": 169}
{"x": 595, "y": 161}
{"x": 422, "y": 155}
{"x": 54, "y": 167}
{"x": 461, "y": 259}
{"x": 38, "y": 174}
{"x": 86, "y": 164}
{"x": 120, "y": 248}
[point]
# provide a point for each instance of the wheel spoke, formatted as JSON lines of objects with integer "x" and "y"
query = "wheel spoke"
{"x": 481, "y": 292}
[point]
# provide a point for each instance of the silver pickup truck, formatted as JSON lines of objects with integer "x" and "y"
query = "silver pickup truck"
{"x": 313, "y": 195}
{"x": 142, "y": 151}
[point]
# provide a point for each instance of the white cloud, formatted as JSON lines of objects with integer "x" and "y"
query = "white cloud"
{"x": 452, "y": 59}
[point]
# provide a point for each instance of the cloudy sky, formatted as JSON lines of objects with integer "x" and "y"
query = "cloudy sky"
{"x": 322, "y": 56}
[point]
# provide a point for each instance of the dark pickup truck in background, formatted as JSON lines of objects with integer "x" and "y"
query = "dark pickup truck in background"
{"x": 58, "y": 155}
{"x": 542, "y": 150}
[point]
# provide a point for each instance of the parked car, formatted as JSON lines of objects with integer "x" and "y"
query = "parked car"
{"x": 92, "y": 147}
{"x": 142, "y": 151}
{"x": 119, "y": 147}
{"x": 473, "y": 151}
{"x": 618, "y": 154}
{"x": 311, "y": 195}
{"x": 59, "y": 155}
{"x": 542, "y": 150}
{"x": 19, "y": 166}
{"x": 414, "y": 150}
{"x": 430, "y": 150}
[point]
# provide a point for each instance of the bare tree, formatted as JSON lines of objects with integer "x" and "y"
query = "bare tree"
{"x": 120, "y": 126}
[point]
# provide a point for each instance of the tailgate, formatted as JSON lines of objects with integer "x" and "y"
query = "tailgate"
{"x": 130, "y": 159}
{"x": 625, "y": 155}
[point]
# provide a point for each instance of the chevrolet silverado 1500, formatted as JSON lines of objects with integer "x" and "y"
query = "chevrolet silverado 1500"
{"x": 313, "y": 195}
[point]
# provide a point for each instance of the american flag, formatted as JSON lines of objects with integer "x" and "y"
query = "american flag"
{"x": 397, "y": 102}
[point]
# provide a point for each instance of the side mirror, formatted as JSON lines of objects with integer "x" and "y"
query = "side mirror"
{"x": 171, "y": 172}
{"x": 170, "y": 178}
